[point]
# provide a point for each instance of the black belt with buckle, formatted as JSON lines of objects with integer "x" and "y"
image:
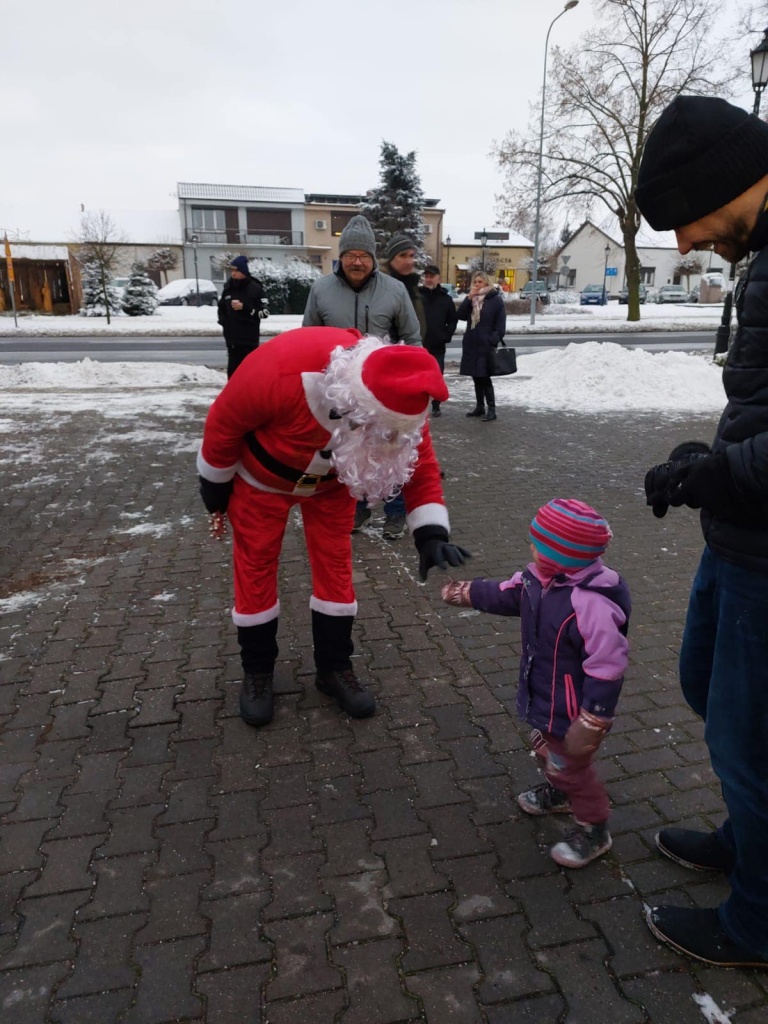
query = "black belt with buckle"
{"x": 296, "y": 476}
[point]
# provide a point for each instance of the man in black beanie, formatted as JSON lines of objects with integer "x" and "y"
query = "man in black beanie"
{"x": 704, "y": 175}
{"x": 242, "y": 307}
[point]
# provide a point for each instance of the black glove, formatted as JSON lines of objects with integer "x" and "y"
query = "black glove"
{"x": 436, "y": 550}
{"x": 263, "y": 314}
{"x": 215, "y": 496}
{"x": 658, "y": 480}
{"x": 705, "y": 483}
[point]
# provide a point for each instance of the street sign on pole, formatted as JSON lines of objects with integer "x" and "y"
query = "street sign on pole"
{"x": 611, "y": 271}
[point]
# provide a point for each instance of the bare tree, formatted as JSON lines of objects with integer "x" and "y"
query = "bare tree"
{"x": 602, "y": 100}
{"x": 99, "y": 241}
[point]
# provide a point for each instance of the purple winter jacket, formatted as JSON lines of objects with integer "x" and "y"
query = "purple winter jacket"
{"x": 574, "y": 639}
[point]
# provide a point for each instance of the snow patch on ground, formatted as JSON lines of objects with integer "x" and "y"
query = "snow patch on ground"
{"x": 151, "y": 529}
{"x": 710, "y": 1010}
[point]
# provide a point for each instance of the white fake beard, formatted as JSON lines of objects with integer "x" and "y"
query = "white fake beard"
{"x": 374, "y": 462}
{"x": 373, "y": 454}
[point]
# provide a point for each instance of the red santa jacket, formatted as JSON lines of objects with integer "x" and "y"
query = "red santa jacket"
{"x": 268, "y": 419}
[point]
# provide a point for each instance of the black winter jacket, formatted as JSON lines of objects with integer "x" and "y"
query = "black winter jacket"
{"x": 478, "y": 341}
{"x": 743, "y": 429}
{"x": 241, "y": 326}
{"x": 441, "y": 315}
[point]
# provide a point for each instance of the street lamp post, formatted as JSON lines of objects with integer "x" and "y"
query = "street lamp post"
{"x": 483, "y": 243}
{"x": 448, "y": 259}
{"x": 759, "y": 58}
{"x": 605, "y": 269}
{"x": 535, "y": 278}
{"x": 194, "y": 240}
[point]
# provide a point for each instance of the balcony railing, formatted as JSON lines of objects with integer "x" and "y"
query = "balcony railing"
{"x": 235, "y": 237}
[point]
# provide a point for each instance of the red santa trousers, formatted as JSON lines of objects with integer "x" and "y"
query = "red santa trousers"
{"x": 258, "y": 520}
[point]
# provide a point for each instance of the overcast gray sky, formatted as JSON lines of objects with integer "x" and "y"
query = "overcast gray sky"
{"x": 110, "y": 104}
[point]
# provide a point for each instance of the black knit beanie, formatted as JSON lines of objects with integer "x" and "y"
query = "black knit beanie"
{"x": 399, "y": 244}
{"x": 700, "y": 155}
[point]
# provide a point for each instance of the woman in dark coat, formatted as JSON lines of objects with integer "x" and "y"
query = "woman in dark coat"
{"x": 483, "y": 309}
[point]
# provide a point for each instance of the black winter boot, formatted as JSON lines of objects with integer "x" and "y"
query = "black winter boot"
{"x": 490, "y": 398}
{"x": 332, "y": 639}
{"x": 479, "y": 399}
{"x": 258, "y": 653}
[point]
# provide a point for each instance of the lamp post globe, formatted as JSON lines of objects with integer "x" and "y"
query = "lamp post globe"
{"x": 535, "y": 275}
{"x": 194, "y": 240}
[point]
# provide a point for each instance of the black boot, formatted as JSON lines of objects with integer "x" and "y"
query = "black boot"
{"x": 479, "y": 399}
{"x": 332, "y": 639}
{"x": 258, "y": 653}
{"x": 436, "y": 409}
{"x": 490, "y": 399}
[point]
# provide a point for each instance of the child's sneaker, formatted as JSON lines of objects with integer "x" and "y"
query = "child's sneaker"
{"x": 544, "y": 799}
{"x": 582, "y": 845}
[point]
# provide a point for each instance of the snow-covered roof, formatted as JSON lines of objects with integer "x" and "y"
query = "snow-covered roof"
{"x": 240, "y": 193}
{"x": 20, "y": 251}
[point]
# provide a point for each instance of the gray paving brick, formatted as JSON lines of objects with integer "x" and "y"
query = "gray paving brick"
{"x": 296, "y": 886}
{"x": 103, "y": 957}
{"x": 432, "y": 941}
{"x": 448, "y": 994}
{"x": 174, "y": 908}
{"x": 236, "y": 933}
{"x": 409, "y": 866}
{"x": 165, "y": 985}
{"x": 119, "y": 886}
{"x": 301, "y": 963}
{"x": 131, "y": 831}
{"x": 233, "y": 996}
{"x": 506, "y": 965}
{"x": 25, "y": 993}
{"x": 373, "y": 984}
{"x": 45, "y": 930}
{"x": 96, "y": 1009}
{"x": 237, "y": 867}
{"x": 479, "y": 893}
{"x": 66, "y": 866}
{"x": 309, "y": 1010}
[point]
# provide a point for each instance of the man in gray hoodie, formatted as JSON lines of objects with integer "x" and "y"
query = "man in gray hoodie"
{"x": 358, "y": 295}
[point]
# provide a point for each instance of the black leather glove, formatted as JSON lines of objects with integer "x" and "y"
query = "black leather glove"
{"x": 658, "y": 479}
{"x": 263, "y": 314}
{"x": 705, "y": 483}
{"x": 436, "y": 550}
{"x": 215, "y": 496}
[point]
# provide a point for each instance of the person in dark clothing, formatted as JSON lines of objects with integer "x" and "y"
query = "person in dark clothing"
{"x": 440, "y": 316}
{"x": 704, "y": 175}
{"x": 241, "y": 310}
{"x": 483, "y": 309}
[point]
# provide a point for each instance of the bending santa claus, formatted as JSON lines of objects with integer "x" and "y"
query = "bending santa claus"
{"x": 319, "y": 418}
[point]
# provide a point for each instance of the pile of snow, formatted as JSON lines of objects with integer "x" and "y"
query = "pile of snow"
{"x": 593, "y": 377}
{"x": 596, "y": 377}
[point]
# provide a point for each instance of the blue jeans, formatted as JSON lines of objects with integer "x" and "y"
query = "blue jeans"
{"x": 394, "y": 509}
{"x": 724, "y": 677}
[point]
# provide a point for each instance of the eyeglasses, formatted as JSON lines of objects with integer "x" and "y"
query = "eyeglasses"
{"x": 357, "y": 257}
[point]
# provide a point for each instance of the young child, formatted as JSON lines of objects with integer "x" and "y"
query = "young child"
{"x": 574, "y": 615}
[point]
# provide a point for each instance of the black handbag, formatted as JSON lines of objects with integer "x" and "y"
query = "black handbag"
{"x": 503, "y": 361}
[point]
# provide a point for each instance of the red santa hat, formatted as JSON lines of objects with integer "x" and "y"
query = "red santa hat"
{"x": 400, "y": 380}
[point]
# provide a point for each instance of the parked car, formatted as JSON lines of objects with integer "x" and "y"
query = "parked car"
{"x": 450, "y": 288}
{"x": 672, "y": 293}
{"x": 593, "y": 295}
{"x": 184, "y": 293}
{"x": 624, "y": 295}
{"x": 542, "y": 292}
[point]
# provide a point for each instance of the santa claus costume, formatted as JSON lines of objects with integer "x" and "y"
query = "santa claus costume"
{"x": 318, "y": 418}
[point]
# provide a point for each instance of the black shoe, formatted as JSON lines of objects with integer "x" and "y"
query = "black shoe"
{"x": 394, "y": 527}
{"x": 256, "y": 700}
{"x": 489, "y": 416}
{"x": 582, "y": 845}
{"x": 362, "y": 515}
{"x": 698, "y": 933}
{"x": 436, "y": 411}
{"x": 702, "y": 851}
{"x": 348, "y": 692}
{"x": 544, "y": 799}
{"x": 477, "y": 411}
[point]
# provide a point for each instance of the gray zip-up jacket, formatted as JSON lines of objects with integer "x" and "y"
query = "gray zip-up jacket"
{"x": 382, "y": 307}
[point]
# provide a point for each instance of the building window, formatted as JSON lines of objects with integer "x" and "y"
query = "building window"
{"x": 316, "y": 260}
{"x": 339, "y": 221}
{"x": 648, "y": 275}
{"x": 215, "y": 224}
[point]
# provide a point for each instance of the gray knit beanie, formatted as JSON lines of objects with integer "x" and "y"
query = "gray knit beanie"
{"x": 399, "y": 243}
{"x": 358, "y": 234}
{"x": 699, "y": 156}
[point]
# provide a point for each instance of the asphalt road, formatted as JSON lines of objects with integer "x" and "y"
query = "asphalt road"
{"x": 209, "y": 351}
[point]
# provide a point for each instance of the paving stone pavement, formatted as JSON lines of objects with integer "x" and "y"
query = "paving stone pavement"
{"x": 161, "y": 861}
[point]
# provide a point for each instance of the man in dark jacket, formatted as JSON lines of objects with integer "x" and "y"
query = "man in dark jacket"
{"x": 241, "y": 310}
{"x": 704, "y": 174}
{"x": 440, "y": 318}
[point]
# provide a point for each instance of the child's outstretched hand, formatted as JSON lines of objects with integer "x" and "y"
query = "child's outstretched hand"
{"x": 457, "y": 592}
{"x": 585, "y": 734}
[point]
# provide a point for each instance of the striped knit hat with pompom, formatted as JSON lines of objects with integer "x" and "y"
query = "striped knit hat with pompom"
{"x": 568, "y": 534}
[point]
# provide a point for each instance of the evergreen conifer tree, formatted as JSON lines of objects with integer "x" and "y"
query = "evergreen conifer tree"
{"x": 97, "y": 280}
{"x": 395, "y": 206}
{"x": 162, "y": 260}
{"x": 140, "y": 296}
